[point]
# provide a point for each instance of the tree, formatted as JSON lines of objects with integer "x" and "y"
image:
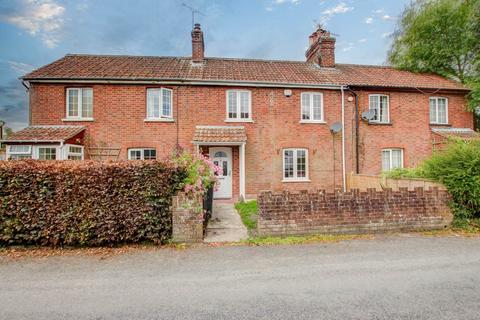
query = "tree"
{"x": 441, "y": 36}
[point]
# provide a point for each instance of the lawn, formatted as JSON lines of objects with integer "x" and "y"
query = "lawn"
{"x": 248, "y": 213}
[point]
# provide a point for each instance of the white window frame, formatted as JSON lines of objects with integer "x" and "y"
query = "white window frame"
{"x": 391, "y": 157}
{"x": 388, "y": 107}
{"x": 162, "y": 117}
{"x": 10, "y": 153}
{"x": 436, "y": 110}
{"x": 295, "y": 177}
{"x": 80, "y": 105}
{"x": 142, "y": 153}
{"x": 36, "y": 151}
{"x": 238, "y": 119}
{"x": 68, "y": 153}
{"x": 311, "y": 94}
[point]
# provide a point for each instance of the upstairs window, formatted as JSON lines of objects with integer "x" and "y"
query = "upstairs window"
{"x": 159, "y": 104}
{"x": 142, "y": 154}
{"x": 18, "y": 152}
{"x": 312, "y": 107}
{"x": 438, "y": 110}
{"x": 380, "y": 104}
{"x": 392, "y": 159}
{"x": 295, "y": 164}
{"x": 239, "y": 105}
{"x": 79, "y": 103}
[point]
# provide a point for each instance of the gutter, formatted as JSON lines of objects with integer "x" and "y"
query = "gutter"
{"x": 31, "y": 141}
{"x": 192, "y": 82}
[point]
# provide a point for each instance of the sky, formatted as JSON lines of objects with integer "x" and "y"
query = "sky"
{"x": 36, "y": 32}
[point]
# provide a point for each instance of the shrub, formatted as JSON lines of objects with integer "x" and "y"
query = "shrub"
{"x": 399, "y": 173}
{"x": 86, "y": 202}
{"x": 200, "y": 172}
{"x": 457, "y": 167}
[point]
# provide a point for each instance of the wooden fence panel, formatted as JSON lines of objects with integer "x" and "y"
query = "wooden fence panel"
{"x": 363, "y": 182}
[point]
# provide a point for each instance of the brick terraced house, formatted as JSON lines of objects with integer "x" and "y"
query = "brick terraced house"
{"x": 270, "y": 124}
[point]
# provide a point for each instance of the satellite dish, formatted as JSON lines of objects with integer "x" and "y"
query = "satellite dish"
{"x": 368, "y": 115}
{"x": 336, "y": 127}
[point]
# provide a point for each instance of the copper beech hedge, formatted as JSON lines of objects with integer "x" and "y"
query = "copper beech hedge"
{"x": 87, "y": 203}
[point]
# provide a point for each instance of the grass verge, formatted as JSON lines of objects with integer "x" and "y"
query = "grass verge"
{"x": 263, "y": 241}
{"x": 248, "y": 213}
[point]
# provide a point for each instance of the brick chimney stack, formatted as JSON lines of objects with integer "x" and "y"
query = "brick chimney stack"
{"x": 198, "y": 46}
{"x": 322, "y": 49}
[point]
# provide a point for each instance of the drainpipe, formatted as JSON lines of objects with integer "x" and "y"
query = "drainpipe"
{"x": 343, "y": 140}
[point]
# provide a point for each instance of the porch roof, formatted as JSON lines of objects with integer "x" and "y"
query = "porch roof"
{"x": 35, "y": 134}
{"x": 461, "y": 133}
{"x": 219, "y": 134}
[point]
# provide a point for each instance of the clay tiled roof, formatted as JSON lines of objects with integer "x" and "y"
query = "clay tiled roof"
{"x": 45, "y": 133}
{"x": 461, "y": 133}
{"x": 205, "y": 134}
{"x": 99, "y": 67}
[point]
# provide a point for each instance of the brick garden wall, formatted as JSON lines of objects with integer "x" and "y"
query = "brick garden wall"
{"x": 187, "y": 218}
{"x": 373, "y": 211}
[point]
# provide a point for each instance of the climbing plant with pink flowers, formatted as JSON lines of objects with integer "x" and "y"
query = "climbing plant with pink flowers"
{"x": 201, "y": 172}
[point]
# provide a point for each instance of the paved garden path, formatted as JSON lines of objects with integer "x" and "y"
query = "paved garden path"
{"x": 225, "y": 224}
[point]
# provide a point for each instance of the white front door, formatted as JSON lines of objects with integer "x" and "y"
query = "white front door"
{"x": 222, "y": 157}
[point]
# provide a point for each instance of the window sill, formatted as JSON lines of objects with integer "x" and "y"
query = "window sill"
{"x": 296, "y": 180}
{"x": 380, "y": 123}
{"x": 159, "y": 120}
{"x": 313, "y": 121}
{"x": 78, "y": 119}
{"x": 440, "y": 125}
{"x": 239, "y": 120}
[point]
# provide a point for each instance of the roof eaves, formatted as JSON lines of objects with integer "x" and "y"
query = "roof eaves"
{"x": 190, "y": 81}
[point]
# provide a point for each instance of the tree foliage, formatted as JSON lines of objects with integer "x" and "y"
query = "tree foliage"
{"x": 441, "y": 36}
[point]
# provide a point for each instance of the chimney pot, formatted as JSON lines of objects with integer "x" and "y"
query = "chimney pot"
{"x": 322, "y": 49}
{"x": 198, "y": 46}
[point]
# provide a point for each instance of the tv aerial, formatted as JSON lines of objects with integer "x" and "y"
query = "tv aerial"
{"x": 368, "y": 115}
{"x": 194, "y": 11}
{"x": 319, "y": 25}
{"x": 336, "y": 128}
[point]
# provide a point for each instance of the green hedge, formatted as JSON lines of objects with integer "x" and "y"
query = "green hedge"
{"x": 457, "y": 166}
{"x": 86, "y": 202}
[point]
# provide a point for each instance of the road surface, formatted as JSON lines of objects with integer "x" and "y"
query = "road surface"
{"x": 394, "y": 277}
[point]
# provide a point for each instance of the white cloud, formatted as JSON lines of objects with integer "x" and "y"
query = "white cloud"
{"x": 387, "y": 34}
{"x": 20, "y": 67}
{"x": 43, "y": 18}
{"x": 340, "y": 8}
{"x": 369, "y": 20}
{"x": 362, "y": 40}
{"x": 330, "y": 12}
{"x": 269, "y": 8}
{"x": 347, "y": 46}
{"x": 379, "y": 11}
{"x": 387, "y": 17}
{"x": 286, "y": 1}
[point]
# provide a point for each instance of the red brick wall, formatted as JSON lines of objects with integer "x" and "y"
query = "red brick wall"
{"x": 119, "y": 112}
{"x": 409, "y": 128}
{"x": 305, "y": 212}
